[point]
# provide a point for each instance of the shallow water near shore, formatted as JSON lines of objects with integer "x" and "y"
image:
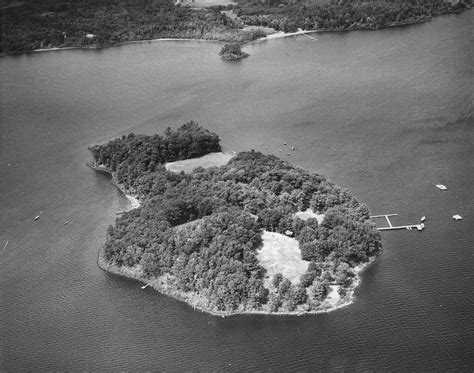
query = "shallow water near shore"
{"x": 387, "y": 114}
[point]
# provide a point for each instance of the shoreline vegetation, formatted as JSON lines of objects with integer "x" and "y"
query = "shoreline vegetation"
{"x": 134, "y": 201}
{"x": 29, "y": 25}
{"x": 197, "y": 235}
{"x": 196, "y": 302}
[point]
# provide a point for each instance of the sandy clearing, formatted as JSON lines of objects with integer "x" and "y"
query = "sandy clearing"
{"x": 333, "y": 297}
{"x": 309, "y": 213}
{"x": 134, "y": 202}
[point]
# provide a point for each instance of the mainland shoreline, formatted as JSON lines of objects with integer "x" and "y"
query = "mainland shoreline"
{"x": 270, "y": 36}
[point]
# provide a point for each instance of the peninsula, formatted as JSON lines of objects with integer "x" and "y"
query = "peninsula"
{"x": 253, "y": 235}
{"x": 30, "y": 25}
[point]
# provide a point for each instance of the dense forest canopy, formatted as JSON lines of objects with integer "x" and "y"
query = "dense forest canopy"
{"x": 34, "y": 24}
{"x": 289, "y": 15}
{"x": 201, "y": 230}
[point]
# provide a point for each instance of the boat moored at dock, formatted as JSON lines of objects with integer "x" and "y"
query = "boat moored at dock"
{"x": 392, "y": 227}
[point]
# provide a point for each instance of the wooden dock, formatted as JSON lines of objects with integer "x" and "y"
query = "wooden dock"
{"x": 392, "y": 227}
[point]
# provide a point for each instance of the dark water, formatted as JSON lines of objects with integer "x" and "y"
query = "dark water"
{"x": 387, "y": 114}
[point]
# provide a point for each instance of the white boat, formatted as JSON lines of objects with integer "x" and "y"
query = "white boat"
{"x": 457, "y": 217}
{"x": 37, "y": 217}
{"x": 145, "y": 286}
{"x": 441, "y": 186}
{"x": 423, "y": 218}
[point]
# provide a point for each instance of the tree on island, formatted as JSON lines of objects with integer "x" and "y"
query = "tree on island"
{"x": 232, "y": 52}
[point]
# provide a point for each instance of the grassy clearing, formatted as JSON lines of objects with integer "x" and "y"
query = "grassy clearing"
{"x": 266, "y": 30}
{"x": 206, "y": 3}
{"x": 281, "y": 254}
{"x": 305, "y": 215}
{"x": 209, "y": 160}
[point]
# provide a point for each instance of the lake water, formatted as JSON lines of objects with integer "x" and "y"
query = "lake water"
{"x": 387, "y": 114}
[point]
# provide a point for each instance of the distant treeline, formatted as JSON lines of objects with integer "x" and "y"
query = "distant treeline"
{"x": 34, "y": 24}
{"x": 335, "y": 15}
{"x": 201, "y": 230}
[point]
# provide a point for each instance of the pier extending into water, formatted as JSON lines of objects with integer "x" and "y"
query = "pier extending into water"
{"x": 391, "y": 227}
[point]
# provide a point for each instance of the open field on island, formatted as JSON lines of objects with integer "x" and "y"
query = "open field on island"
{"x": 209, "y": 160}
{"x": 206, "y": 3}
{"x": 281, "y": 254}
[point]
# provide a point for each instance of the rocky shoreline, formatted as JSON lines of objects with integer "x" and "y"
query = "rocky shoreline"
{"x": 198, "y": 302}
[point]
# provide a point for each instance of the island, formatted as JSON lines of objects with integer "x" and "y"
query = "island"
{"x": 248, "y": 234}
{"x": 31, "y": 25}
{"x": 231, "y": 52}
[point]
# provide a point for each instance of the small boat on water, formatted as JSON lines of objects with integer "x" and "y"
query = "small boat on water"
{"x": 423, "y": 218}
{"x": 457, "y": 217}
{"x": 145, "y": 286}
{"x": 37, "y": 217}
{"x": 441, "y": 186}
